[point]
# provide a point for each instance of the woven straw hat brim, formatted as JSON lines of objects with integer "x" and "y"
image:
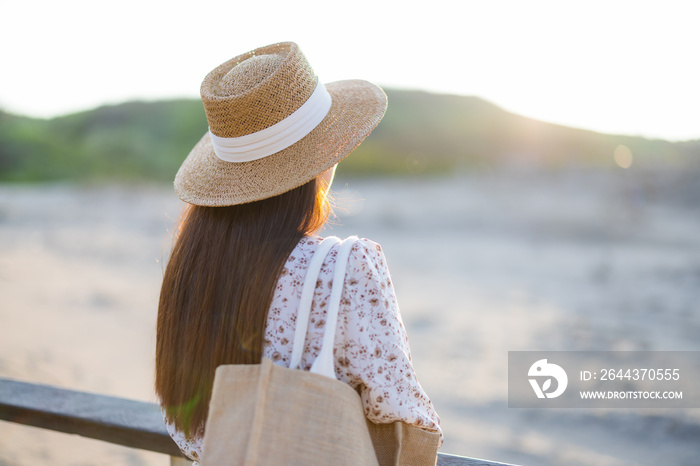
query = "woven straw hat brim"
{"x": 206, "y": 180}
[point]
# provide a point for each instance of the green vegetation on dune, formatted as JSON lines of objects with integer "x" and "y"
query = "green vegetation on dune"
{"x": 431, "y": 132}
{"x": 421, "y": 133}
{"x": 135, "y": 140}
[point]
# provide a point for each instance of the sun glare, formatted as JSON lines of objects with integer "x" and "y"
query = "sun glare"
{"x": 623, "y": 156}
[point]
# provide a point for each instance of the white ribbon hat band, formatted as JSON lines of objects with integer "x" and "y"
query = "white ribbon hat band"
{"x": 278, "y": 136}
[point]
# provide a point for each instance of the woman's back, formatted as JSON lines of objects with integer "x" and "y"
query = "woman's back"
{"x": 371, "y": 347}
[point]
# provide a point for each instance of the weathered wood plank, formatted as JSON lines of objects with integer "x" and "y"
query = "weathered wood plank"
{"x": 131, "y": 423}
{"x": 125, "y": 422}
{"x": 453, "y": 460}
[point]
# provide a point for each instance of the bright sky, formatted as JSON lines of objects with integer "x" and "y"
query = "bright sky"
{"x": 627, "y": 67}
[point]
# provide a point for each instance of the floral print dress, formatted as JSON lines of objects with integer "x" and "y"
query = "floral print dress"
{"x": 371, "y": 346}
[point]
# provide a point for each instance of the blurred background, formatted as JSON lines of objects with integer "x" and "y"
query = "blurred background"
{"x": 534, "y": 183}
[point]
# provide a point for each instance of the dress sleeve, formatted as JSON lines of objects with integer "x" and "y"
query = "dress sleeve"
{"x": 373, "y": 355}
{"x": 191, "y": 447}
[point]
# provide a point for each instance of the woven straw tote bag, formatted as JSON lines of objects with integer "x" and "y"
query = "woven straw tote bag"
{"x": 265, "y": 414}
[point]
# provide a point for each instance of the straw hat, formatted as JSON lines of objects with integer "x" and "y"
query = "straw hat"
{"x": 273, "y": 127}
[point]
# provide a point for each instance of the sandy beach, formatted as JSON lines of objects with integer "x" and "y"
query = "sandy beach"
{"x": 483, "y": 263}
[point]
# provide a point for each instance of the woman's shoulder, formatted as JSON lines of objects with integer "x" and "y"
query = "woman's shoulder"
{"x": 365, "y": 262}
{"x": 364, "y": 249}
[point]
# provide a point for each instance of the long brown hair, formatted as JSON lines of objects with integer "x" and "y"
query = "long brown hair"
{"x": 217, "y": 289}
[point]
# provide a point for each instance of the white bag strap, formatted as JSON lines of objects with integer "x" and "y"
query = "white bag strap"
{"x": 307, "y": 297}
{"x": 324, "y": 363}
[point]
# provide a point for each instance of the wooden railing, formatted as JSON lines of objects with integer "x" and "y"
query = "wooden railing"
{"x": 131, "y": 423}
